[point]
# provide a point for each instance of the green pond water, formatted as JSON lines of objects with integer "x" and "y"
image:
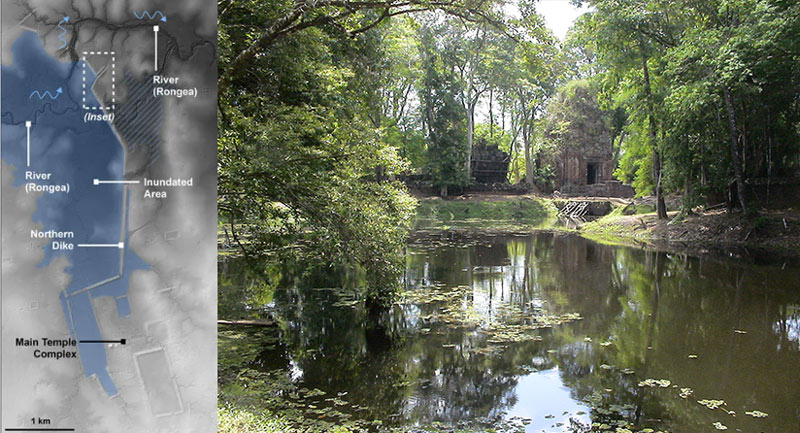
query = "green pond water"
{"x": 527, "y": 333}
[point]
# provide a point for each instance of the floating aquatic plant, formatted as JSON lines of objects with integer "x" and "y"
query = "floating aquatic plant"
{"x": 663, "y": 383}
{"x": 711, "y": 404}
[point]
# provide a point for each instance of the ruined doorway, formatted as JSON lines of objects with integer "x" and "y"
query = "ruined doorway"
{"x": 592, "y": 172}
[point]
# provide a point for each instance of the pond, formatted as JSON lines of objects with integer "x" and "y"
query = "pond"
{"x": 527, "y": 333}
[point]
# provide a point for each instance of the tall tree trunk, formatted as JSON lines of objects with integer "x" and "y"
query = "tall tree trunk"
{"x": 688, "y": 191}
{"x": 503, "y": 116}
{"x": 703, "y": 167}
{"x": 470, "y": 136}
{"x": 526, "y": 146}
{"x": 516, "y": 171}
{"x": 734, "y": 141}
{"x": 661, "y": 207}
{"x": 491, "y": 113}
{"x": 526, "y": 142}
{"x": 617, "y": 150}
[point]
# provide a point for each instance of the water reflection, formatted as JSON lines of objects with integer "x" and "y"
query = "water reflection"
{"x": 725, "y": 331}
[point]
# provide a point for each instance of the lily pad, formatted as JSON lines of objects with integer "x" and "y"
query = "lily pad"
{"x": 711, "y": 404}
{"x": 663, "y": 383}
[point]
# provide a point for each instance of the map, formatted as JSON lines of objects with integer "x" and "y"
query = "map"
{"x": 108, "y": 216}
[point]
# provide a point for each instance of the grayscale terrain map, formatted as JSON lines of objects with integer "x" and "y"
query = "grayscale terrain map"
{"x": 108, "y": 215}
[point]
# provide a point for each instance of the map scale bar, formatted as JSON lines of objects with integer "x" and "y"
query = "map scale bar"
{"x": 40, "y": 429}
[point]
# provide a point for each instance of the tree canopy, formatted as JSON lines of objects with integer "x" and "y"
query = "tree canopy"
{"x": 327, "y": 106}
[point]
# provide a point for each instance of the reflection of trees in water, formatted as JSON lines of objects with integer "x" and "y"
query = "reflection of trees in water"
{"x": 654, "y": 308}
{"x": 386, "y": 366}
{"x": 673, "y": 306}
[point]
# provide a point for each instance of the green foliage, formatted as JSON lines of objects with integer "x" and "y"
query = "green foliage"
{"x": 235, "y": 420}
{"x": 302, "y": 169}
{"x": 444, "y": 118}
{"x": 636, "y": 162}
{"x": 575, "y": 119}
{"x": 696, "y": 52}
{"x": 410, "y": 144}
{"x": 493, "y": 136}
{"x": 244, "y": 287}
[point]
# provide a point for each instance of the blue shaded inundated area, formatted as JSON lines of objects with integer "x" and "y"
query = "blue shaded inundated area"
{"x": 75, "y": 153}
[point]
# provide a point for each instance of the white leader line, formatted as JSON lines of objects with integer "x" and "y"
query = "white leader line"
{"x": 28, "y": 127}
{"x": 155, "y": 57}
{"x": 98, "y": 181}
{"x": 120, "y": 245}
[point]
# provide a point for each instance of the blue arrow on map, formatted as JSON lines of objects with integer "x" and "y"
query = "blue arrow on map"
{"x": 148, "y": 15}
{"x": 47, "y": 94}
{"x": 63, "y": 32}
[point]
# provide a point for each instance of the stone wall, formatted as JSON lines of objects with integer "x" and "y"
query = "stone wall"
{"x": 489, "y": 164}
{"x": 572, "y": 173}
{"x": 608, "y": 188}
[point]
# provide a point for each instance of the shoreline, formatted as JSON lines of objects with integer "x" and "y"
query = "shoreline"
{"x": 773, "y": 233}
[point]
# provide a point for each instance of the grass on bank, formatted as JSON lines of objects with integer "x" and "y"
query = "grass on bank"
{"x": 528, "y": 211}
{"x": 617, "y": 228}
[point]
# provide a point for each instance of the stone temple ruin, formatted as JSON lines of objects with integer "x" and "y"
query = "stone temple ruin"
{"x": 489, "y": 165}
{"x": 587, "y": 170}
{"x": 584, "y": 158}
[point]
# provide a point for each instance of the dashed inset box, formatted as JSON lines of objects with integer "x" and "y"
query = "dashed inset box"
{"x": 113, "y": 55}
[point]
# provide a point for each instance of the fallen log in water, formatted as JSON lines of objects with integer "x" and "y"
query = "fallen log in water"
{"x": 254, "y": 322}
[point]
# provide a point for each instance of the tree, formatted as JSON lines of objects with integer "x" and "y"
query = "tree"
{"x": 737, "y": 61}
{"x": 531, "y": 74}
{"x": 285, "y": 18}
{"x": 708, "y": 86}
{"x": 298, "y": 155}
{"x": 443, "y": 114}
{"x": 629, "y": 35}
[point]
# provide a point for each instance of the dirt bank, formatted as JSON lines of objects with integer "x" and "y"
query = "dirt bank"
{"x": 711, "y": 231}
